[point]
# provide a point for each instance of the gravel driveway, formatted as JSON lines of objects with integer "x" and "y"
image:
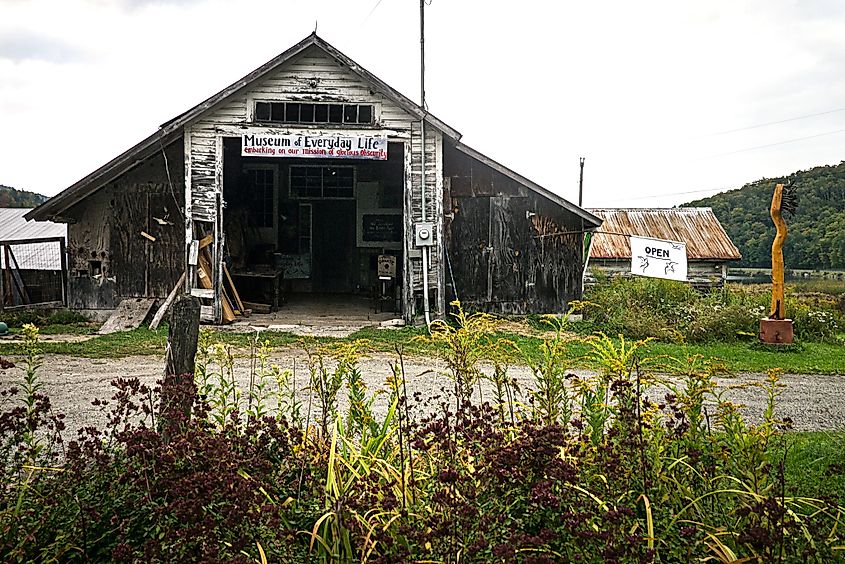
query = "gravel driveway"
{"x": 813, "y": 402}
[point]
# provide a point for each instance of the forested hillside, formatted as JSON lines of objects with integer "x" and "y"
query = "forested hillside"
{"x": 816, "y": 232}
{"x": 13, "y": 198}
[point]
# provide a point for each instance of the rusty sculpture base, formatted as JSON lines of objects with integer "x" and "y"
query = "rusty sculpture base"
{"x": 776, "y": 331}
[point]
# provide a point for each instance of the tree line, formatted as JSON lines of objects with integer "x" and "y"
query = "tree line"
{"x": 816, "y": 231}
{"x": 14, "y": 198}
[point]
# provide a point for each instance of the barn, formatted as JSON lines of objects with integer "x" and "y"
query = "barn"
{"x": 709, "y": 248}
{"x": 312, "y": 178}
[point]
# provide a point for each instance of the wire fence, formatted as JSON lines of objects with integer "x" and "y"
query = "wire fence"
{"x": 33, "y": 273}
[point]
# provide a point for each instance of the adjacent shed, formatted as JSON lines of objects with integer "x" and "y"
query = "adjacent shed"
{"x": 32, "y": 261}
{"x": 310, "y": 175}
{"x": 709, "y": 249}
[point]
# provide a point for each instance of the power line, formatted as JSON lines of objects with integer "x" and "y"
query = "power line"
{"x": 795, "y": 140}
{"x": 375, "y": 7}
{"x": 766, "y": 124}
{"x": 714, "y": 190}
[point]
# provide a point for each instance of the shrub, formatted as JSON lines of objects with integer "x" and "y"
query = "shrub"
{"x": 817, "y": 325}
{"x": 711, "y": 321}
{"x": 39, "y": 317}
{"x": 639, "y": 308}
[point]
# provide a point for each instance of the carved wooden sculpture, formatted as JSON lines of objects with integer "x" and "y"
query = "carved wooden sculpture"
{"x": 777, "y": 329}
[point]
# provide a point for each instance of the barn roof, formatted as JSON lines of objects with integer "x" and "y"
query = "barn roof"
{"x": 591, "y": 220}
{"x": 704, "y": 236}
{"x": 170, "y": 132}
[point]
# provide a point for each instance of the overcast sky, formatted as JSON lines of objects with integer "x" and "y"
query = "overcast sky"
{"x": 667, "y": 100}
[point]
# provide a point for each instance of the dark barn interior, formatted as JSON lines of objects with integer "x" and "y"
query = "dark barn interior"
{"x": 312, "y": 226}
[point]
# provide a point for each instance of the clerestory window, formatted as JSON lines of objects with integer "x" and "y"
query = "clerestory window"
{"x": 300, "y": 112}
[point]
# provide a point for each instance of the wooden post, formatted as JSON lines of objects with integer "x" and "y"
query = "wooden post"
{"x": 64, "y": 276}
{"x": 9, "y": 293}
{"x": 2, "y": 284}
{"x": 178, "y": 390}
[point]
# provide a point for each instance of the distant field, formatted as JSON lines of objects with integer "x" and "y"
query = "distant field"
{"x": 826, "y": 281}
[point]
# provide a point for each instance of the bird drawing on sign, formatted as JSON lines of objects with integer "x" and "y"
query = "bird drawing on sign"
{"x": 670, "y": 267}
{"x": 643, "y": 262}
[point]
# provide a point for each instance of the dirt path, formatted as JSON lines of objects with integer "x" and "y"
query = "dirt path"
{"x": 813, "y": 402}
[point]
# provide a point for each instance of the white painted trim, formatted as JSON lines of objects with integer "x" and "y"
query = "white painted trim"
{"x": 229, "y": 130}
{"x": 219, "y": 236}
{"x": 407, "y": 235}
{"x": 438, "y": 221}
{"x": 190, "y": 270}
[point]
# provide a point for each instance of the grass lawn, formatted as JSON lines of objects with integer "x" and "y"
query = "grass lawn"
{"x": 815, "y": 464}
{"x": 807, "y": 358}
{"x": 58, "y": 329}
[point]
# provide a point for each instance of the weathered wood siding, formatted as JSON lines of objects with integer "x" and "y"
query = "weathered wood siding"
{"x": 413, "y": 282}
{"x": 700, "y": 273}
{"x": 506, "y": 249}
{"x": 105, "y": 234}
{"x": 314, "y": 76}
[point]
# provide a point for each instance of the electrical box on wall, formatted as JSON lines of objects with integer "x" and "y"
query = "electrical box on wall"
{"x": 424, "y": 235}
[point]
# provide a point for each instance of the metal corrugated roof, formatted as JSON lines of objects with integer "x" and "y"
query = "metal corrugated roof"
{"x": 697, "y": 227}
{"x": 14, "y": 227}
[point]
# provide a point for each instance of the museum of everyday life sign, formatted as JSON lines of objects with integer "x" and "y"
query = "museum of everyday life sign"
{"x": 658, "y": 258}
{"x": 315, "y": 145}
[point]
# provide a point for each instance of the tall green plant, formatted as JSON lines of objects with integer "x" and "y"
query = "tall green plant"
{"x": 462, "y": 346}
{"x": 551, "y": 401}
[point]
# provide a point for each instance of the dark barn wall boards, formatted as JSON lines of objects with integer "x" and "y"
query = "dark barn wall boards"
{"x": 512, "y": 250}
{"x": 109, "y": 258}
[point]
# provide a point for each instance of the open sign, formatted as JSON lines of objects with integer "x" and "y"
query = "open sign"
{"x": 658, "y": 258}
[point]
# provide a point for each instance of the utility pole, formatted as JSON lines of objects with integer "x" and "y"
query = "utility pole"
{"x": 422, "y": 54}
{"x": 581, "y": 185}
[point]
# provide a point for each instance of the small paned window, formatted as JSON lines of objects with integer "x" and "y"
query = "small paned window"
{"x": 321, "y": 113}
{"x": 297, "y": 112}
{"x": 306, "y": 113}
{"x": 316, "y": 182}
{"x": 304, "y": 230}
{"x": 350, "y": 114}
{"x": 262, "y": 189}
{"x": 262, "y": 111}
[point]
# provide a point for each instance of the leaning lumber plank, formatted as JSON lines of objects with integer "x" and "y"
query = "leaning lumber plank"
{"x": 16, "y": 275}
{"x": 166, "y": 305}
{"x": 204, "y": 275}
{"x": 255, "y": 307}
{"x": 205, "y": 241}
{"x": 130, "y": 313}
{"x": 235, "y": 294}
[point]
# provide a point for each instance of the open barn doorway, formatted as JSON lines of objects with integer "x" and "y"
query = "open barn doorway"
{"x": 305, "y": 231}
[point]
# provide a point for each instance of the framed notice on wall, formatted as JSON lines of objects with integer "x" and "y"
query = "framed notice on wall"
{"x": 380, "y": 228}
